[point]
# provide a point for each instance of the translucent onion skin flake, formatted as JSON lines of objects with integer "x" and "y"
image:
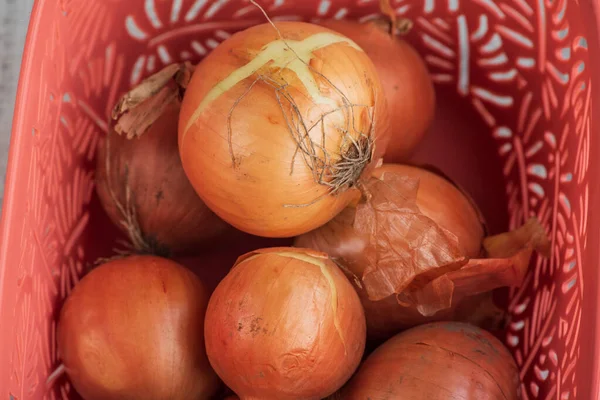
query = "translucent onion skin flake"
{"x": 416, "y": 251}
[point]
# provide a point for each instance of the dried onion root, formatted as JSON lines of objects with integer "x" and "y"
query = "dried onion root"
{"x": 415, "y": 250}
{"x": 284, "y": 324}
{"x": 140, "y": 180}
{"x": 443, "y": 360}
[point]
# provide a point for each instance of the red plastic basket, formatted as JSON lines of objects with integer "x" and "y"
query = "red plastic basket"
{"x": 517, "y": 85}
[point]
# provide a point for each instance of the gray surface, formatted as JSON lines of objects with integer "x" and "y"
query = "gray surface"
{"x": 14, "y": 18}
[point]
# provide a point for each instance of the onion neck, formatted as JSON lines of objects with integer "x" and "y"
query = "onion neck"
{"x": 393, "y": 28}
{"x": 390, "y": 23}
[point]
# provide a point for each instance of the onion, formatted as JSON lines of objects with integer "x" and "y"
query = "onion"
{"x": 437, "y": 361}
{"x": 406, "y": 82}
{"x": 140, "y": 180}
{"x": 278, "y": 125}
{"x": 284, "y": 324}
{"x": 133, "y": 329}
{"x": 415, "y": 249}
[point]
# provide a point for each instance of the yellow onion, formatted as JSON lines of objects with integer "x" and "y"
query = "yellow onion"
{"x": 284, "y": 324}
{"x": 133, "y": 329}
{"x": 139, "y": 177}
{"x": 444, "y": 360}
{"x": 415, "y": 248}
{"x": 278, "y": 125}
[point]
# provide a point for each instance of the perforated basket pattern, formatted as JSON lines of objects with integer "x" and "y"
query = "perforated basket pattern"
{"x": 523, "y": 65}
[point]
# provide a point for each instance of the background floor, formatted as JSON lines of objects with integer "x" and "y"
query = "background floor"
{"x": 14, "y": 18}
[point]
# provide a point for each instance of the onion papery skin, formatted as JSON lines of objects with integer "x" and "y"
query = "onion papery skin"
{"x": 443, "y": 360}
{"x": 133, "y": 329}
{"x": 406, "y": 81}
{"x": 240, "y": 145}
{"x": 285, "y": 324}
{"x": 145, "y": 192}
{"x": 416, "y": 253}
{"x": 446, "y": 204}
{"x": 437, "y": 199}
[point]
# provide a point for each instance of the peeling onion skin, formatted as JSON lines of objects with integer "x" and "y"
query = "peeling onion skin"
{"x": 407, "y": 85}
{"x": 437, "y": 361}
{"x": 443, "y": 202}
{"x": 438, "y": 199}
{"x": 271, "y": 329}
{"x": 172, "y": 219}
{"x": 241, "y": 156}
{"x": 133, "y": 329}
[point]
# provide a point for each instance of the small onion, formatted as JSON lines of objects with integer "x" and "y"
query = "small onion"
{"x": 444, "y": 360}
{"x": 140, "y": 180}
{"x": 415, "y": 249}
{"x": 278, "y": 124}
{"x": 284, "y": 324}
{"x": 133, "y": 329}
{"x": 406, "y": 82}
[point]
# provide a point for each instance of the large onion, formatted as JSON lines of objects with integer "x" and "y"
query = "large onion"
{"x": 278, "y": 125}
{"x": 407, "y": 85}
{"x": 133, "y": 329}
{"x": 446, "y": 360}
{"x": 415, "y": 249}
{"x": 284, "y": 324}
{"x": 140, "y": 180}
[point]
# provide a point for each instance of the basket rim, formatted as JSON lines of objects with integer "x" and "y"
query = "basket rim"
{"x": 15, "y": 146}
{"x": 9, "y": 218}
